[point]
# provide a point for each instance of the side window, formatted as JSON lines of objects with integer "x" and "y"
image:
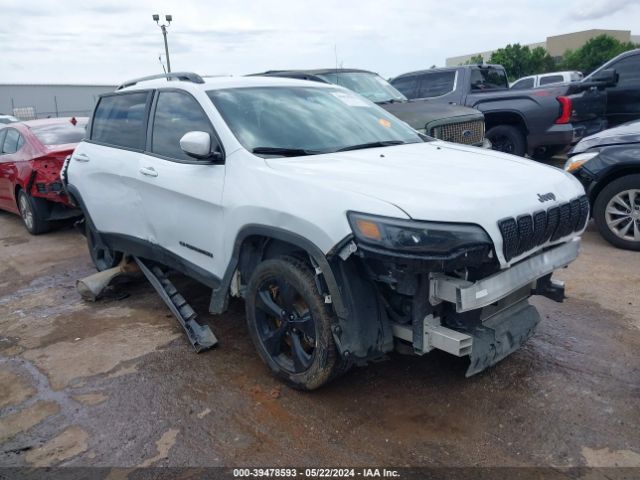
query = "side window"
{"x": 406, "y": 85}
{"x": 629, "y": 71}
{"x": 3, "y": 132}
{"x": 436, "y": 84}
{"x": 176, "y": 114}
{"x": 120, "y": 120}
{"x": 522, "y": 84}
{"x": 549, "y": 79}
{"x": 11, "y": 141}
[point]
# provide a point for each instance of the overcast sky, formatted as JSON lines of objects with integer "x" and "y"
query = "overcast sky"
{"x": 107, "y": 41}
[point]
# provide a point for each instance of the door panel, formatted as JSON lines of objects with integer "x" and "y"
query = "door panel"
{"x": 182, "y": 197}
{"x": 106, "y": 168}
{"x": 183, "y": 208}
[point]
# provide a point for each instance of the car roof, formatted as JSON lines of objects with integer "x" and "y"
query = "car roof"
{"x": 448, "y": 69}
{"x": 52, "y": 121}
{"x": 219, "y": 83}
{"x": 316, "y": 71}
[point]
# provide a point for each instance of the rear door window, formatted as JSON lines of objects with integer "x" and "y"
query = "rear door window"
{"x": 522, "y": 84}
{"x": 11, "y": 142}
{"x": 436, "y": 84}
{"x": 176, "y": 114}
{"x": 549, "y": 79}
{"x": 120, "y": 120}
{"x": 483, "y": 79}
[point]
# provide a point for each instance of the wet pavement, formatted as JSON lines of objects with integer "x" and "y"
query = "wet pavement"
{"x": 115, "y": 383}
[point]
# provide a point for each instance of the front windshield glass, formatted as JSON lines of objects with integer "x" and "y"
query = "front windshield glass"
{"x": 307, "y": 119}
{"x": 369, "y": 85}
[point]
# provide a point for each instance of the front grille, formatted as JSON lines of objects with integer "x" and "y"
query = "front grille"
{"x": 530, "y": 231}
{"x": 469, "y": 133}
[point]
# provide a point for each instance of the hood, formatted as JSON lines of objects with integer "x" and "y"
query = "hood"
{"x": 438, "y": 181}
{"x": 620, "y": 135}
{"x": 418, "y": 113}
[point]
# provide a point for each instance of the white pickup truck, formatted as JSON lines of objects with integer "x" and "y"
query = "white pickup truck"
{"x": 535, "y": 81}
{"x": 347, "y": 233}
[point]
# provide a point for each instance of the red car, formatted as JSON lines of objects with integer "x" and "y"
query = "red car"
{"x": 31, "y": 156}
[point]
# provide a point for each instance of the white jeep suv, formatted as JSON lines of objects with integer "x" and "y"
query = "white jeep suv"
{"x": 347, "y": 233}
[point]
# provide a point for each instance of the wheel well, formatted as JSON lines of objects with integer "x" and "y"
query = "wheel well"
{"x": 504, "y": 118}
{"x": 621, "y": 172}
{"x": 256, "y": 248}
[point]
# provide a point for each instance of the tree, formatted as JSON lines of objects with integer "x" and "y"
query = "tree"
{"x": 594, "y": 53}
{"x": 521, "y": 61}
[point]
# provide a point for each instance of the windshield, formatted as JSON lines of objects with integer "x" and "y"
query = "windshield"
{"x": 306, "y": 120}
{"x": 60, "y": 133}
{"x": 369, "y": 85}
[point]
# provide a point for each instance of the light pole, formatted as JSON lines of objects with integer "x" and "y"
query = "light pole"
{"x": 163, "y": 27}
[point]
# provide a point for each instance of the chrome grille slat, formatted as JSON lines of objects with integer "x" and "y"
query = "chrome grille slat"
{"x": 530, "y": 231}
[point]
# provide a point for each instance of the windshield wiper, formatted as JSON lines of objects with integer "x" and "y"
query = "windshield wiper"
{"x": 385, "y": 143}
{"x": 285, "y": 152}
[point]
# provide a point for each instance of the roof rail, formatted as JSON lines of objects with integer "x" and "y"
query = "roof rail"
{"x": 181, "y": 76}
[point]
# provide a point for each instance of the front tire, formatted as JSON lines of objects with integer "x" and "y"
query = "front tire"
{"x": 34, "y": 212}
{"x": 290, "y": 324}
{"x": 507, "y": 139}
{"x": 616, "y": 212}
{"x": 103, "y": 256}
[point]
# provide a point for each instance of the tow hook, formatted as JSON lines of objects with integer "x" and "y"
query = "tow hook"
{"x": 552, "y": 289}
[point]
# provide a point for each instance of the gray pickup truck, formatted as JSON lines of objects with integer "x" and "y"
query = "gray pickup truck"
{"x": 541, "y": 122}
{"x": 452, "y": 123}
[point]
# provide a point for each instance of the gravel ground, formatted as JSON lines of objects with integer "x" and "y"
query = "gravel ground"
{"x": 115, "y": 383}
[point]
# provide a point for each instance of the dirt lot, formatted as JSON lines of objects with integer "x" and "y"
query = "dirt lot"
{"x": 116, "y": 384}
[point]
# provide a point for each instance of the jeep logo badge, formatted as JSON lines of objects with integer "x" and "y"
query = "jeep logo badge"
{"x": 545, "y": 197}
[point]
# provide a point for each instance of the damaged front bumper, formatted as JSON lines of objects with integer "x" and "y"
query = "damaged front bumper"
{"x": 473, "y": 295}
{"x": 487, "y": 319}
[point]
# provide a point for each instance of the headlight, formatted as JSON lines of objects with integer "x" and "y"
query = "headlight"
{"x": 575, "y": 162}
{"x": 412, "y": 236}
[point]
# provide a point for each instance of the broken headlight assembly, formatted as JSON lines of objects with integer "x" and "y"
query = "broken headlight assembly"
{"x": 415, "y": 236}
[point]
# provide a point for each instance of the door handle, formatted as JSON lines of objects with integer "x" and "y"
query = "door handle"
{"x": 149, "y": 172}
{"x": 81, "y": 157}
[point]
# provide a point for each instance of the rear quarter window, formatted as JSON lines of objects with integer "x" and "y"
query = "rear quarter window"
{"x": 121, "y": 120}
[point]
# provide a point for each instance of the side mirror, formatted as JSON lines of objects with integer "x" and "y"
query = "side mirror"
{"x": 607, "y": 76}
{"x": 198, "y": 145}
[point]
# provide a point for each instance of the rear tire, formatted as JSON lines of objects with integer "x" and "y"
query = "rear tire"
{"x": 34, "y": 212}
{"x": 290, "y": 325}
{"x": 103, "y": 257}
{"x": 616, "y": 218}
{"x": 507, "y": 139}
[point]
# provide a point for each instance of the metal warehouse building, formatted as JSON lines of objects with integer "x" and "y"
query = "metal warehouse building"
{"x": 28, "y": 102}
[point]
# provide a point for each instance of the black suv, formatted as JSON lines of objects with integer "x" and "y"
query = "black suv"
{"x": 452, "y": 123}
{"x": 623, "y": 99}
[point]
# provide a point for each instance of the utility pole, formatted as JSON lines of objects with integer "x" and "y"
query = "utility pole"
{"x": 163, "y": 27}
